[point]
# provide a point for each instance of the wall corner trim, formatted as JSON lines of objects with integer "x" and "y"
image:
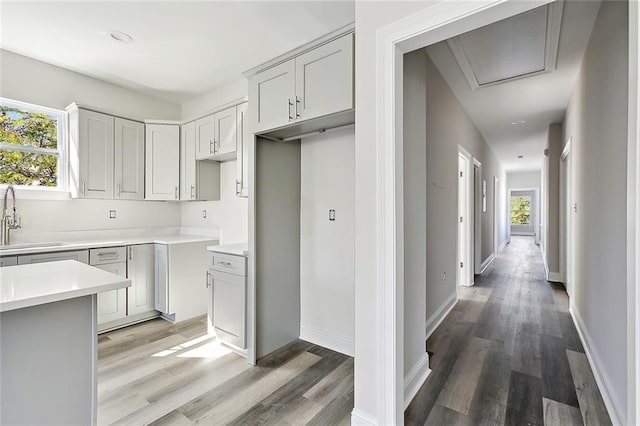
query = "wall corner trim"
{"x": 440, "y": 314}
{"x": 502, "y": 246}
{"x": 329, "y": 340}
{"x": 414, "y": 380}
{"x": 554, "y": 277}
{"x": 617, "y": 414}
{"x": 360, "y": 418}
{"x": 488, "y": 261}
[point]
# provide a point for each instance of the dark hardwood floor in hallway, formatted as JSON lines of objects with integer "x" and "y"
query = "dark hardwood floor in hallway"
{"x": 509, "y": 353}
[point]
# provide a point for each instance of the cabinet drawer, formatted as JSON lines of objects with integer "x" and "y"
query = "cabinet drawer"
{"x": 106, "y": 255}
{"x": 227, "y": 263}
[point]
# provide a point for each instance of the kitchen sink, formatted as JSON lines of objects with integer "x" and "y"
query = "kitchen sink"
{"x": 30, "y": 245}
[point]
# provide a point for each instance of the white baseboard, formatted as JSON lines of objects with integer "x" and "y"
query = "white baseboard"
{"x": 618, "y": 415}
{"x": 332, "y": 341}
{"x": 440, "y": 314}
{"x": 487, "y": 263}
{"x": 415, "y": 378}
{"x": 553, "y": 277}
{"x": 360, "y": 418}
{"x": 503, "y": 245}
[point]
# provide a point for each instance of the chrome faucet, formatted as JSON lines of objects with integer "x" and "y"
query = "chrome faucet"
{"x": 9, "y": 221}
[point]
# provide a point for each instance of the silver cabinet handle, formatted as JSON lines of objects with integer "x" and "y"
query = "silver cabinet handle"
{"x": 176, "y": 192}
{"x": 111, "y": 253}
{"x": 130, "y": 253}
{"x": 289, "y": 107}
{"x": 118, "y": 190}
{"x": 84, "y": 187}
{"x": 297, "y": 102}
{"x": 192, "y": 189}
{"x": 238, "y": 187}
{"x": 212, "y": 146}
{"x": 208, "y": 279}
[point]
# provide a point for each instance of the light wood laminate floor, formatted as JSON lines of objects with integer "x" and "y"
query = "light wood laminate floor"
{"x": 509, "y": 353}
{"x": 163, "y": 374}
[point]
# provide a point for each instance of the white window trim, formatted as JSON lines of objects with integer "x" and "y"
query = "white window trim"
{"x": 61, "y": 191}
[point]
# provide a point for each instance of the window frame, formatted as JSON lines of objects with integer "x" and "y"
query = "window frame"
{"x": 61, "y": 190}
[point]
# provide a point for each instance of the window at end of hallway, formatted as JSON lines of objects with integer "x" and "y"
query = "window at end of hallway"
{"x": 520, "y": 210}
{"x": 32, "y": 141}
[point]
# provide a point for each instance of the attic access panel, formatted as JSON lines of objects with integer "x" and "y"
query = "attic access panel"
{"x": 520, "y": 46}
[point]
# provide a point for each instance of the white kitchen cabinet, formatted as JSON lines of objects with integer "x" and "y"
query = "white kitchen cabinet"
{"x": 129, "y": 159}
{"x": 199, "y": 180}
{"x": 162, "y": 161}
{"x": 225, "y": 134}
{"x": 81, "y": 256}
{"x": 95, "y": 149}
{"x": 161, "y": 280}
{"x": 112, "y": 305}
{"x": 205, "y": 136}
{"x": 314, "y": 84}
{"x": 8, "y": 261}
{"x": 228, "y": 299}
{"x": 324, "y": 79}
{"x": 141, "y": 272}
{"x": 245, "y": 136}
{"x": 180, "y": 291}
{"x": 273, "y": 93}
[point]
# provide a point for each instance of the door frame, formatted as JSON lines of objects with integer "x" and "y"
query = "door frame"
{"x": 477, "y": 217}
{"x": 439, "y": 21}
{"x": 468, "y": 210}
{"x": 566, "y": 223}
{"x": 496, "y": 219}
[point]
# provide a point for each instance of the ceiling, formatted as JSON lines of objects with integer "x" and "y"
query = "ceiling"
{"x": 180, "y": 50}
{"x": 519, "y": 74}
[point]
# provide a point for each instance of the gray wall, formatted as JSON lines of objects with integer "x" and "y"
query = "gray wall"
{"x": 551, "y": 199}
{"x": 596, "y": 120}
{"x": 447, "y": 126}
{"x": 415, "y": 207}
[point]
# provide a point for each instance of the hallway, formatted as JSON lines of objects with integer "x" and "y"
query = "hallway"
{"x": 509, "y": 353}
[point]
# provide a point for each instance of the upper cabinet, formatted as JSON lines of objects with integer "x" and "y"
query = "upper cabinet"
{"x": 95, "y": 150}
{"x": 216, "y": 136}
{"x": 244, "y": 138}
{"x": 162, "y": 162}
{"x": 204, "y": 129}
{"x": 109, "y": 155}
{"x": 314, "y": 84}
{"x": 199, "y": 180}
{"x": 129, "y": 159}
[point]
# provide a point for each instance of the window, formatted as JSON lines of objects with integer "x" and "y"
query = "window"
{"x": 521, "y": 210}
{"x": 31, "y": 146}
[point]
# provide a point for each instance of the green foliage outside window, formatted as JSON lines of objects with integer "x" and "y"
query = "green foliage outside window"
{"x": 521, "y": 210}
{"x": 21, "y": 129}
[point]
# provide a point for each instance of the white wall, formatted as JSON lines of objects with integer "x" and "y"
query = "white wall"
{"x": 230, "y": 214}
{"x": 448, "y": 126}
{"x": 518, "y": 180}
{"x": 36, "y": 82}
{"x": 596, "y": 120}
{"x": 327, "y": 247}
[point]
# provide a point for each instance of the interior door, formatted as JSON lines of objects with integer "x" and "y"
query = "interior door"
{"x": 129, "y": 159}
{"x": 463, "y": 223}
{"x": 96, "y": 146}
{"x": 225, "y": 131}
{"x": 324, "y": 79}
{"x": 274, "y": 91}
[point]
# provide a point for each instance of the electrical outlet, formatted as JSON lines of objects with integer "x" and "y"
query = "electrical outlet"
{"x": 332, "y": 215}
{"x": 204, "y": 214}
{"x": 112, "y": 214}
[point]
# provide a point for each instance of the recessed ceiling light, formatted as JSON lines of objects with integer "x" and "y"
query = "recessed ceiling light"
{"x": 518, "y": 122}
{"x": 121, "y": 37}
{"x": 520, "y": 157}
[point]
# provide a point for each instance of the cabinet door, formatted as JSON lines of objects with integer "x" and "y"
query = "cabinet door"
{"x": 95, "y": 145}
{"x": 112, "y": 305}
{"x": 162, "y": 162}
{"x": 225, "y": 131}
{"x": 324, "y": 79}
{"x": 8, "y": 261}
{"x": 273, "y": 93}
{"x": 204, "y": 137}
{"x": 79, "y": 255}
{"x": 129, "y": 159}
{"x": 141, "y": 272}
{"x": 161, "y": 279}
{"x": 229, "y": 307}
{"x": 188, "y": 189}
{"x": 244, "y": 138}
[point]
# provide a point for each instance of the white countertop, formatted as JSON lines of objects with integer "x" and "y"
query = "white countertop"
{"x": 67, "y": 242}
{"x": 36, "y": 284}
{"x": 238, "y": 249}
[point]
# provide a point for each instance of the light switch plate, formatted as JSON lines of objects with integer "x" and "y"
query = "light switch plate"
{"x": 112, "y": 214}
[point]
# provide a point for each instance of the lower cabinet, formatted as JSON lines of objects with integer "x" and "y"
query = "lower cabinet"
{"x": 112, "y": 305}
{"x": 8, "y": 261}
{"x": 140, "y": 270}
{"x": 161, "y": 267}
{"x": 81, "y": 256}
